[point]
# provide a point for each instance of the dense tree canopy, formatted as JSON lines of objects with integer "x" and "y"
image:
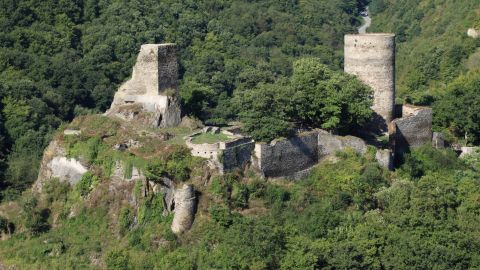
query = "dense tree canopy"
{"x": 314, "y": 97}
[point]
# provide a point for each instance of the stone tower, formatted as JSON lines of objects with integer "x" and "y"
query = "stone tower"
{"x": 371, "y": 57}
{"x": 151, "y": 95}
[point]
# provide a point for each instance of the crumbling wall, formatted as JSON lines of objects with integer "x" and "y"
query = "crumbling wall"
{"x": 284, "y": 157}
{"x": 153, "y": 88}
{"x": 414, "y": 129}
{"x": 371, "y": 57}
{"x": 185, "y": 208}
{"x": 236, "y": 154}
{"x": 328, "y": 144}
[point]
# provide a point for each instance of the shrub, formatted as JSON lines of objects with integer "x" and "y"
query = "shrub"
{"x": 117, "y": 259}
{"x": 35, "y": 220}
{"x": 221, "y": 215}
{"x": 86, "y": 184}
{"x": 428, "y": 159}
{"x": 56, "y": 190}
{"x": 125, "y": 219}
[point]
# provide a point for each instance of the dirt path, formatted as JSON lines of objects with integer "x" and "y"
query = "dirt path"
{"x": 367, "y": 22}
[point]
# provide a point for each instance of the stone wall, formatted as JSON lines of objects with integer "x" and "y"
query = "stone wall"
{"x": 294, "y": 157}
{"x": 284, "y": 157}
{"x": 371, "y": 57}
{"x": 236, "y": 154}
{"x": 329, "y": 144}
{"x": 414, "y": 129}
{"x": 153, "y": 88}
{"x": 225, "y": 156}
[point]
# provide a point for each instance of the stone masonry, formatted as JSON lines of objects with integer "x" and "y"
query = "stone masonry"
{"x": 414, "y": 129}
{"x": 371, "y": 57}
{"x": 151, "y": 95}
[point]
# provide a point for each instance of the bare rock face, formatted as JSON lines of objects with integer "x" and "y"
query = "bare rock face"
{"x": 185, "y": 207}
{"x": 466, "y": 151}
{"x": 150, "y": 97}
{"x": 473, "y": 33}
{"x": 56, "y": 164}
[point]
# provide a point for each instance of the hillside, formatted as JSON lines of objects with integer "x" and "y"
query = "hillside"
{"x": 225, "y": 134}
{"x": 437, "y": 63}
{"x": 63, "y": 59}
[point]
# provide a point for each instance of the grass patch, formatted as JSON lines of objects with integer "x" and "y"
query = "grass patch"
{"x": 210, "y": 138}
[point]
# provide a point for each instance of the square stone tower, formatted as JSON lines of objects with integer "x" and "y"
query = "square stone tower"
{"x": 371, "y": 57}
{"x": 151, "y": 95}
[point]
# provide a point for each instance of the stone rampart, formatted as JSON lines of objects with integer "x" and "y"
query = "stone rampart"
{"x": 236, "y": 155}
{"x": 285, "y": 157}
{"x": 329, "y": 144}
{"x": 371, "y": 57}
{"x": 225, "y": 156}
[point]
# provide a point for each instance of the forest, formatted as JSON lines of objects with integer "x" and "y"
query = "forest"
{"x": 277, "y": 67}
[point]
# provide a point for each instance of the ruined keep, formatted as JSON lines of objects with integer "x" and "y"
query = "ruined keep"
{"x": 371, "y": 57}
{"x": 150, "y": 96}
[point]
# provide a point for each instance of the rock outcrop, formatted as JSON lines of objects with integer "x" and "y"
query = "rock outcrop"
{"x": 185, "y": 208}
{"x": 473, "y": 33}
{"x": 56, "y": 164}
{"x": 150, "y": 97}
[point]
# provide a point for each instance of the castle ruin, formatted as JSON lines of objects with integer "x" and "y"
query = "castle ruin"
{"x": 151, "y": 95}
{"x": 371, "y": 57}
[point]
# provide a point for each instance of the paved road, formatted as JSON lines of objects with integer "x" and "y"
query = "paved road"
{"x": 367, "y": 22}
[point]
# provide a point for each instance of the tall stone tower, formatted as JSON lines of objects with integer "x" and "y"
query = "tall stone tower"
{"x": 371, "y": 57}
{"x": 150, "y": 96}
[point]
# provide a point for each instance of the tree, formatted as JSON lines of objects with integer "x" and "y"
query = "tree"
{"x": 314, "y": 97}
{"x": 458, "y": 110}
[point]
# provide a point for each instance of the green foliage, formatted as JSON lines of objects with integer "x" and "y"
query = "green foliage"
{"x": 35, "y": 219}
{"x": 221, "y": 215}
{"x": 56, "y": 190}
{"x": 432, "y": 46}
{"x": 353, "y": 180}
{"x": 427, "y": 159}
{"x": 210, "y": 138}
{"x": 177, "y": 165}
{"x": 86, "y": 184}
{"x": 151, "y": 210}
{"x": 315, "y": 96}
{"x": 117, "y": 259}
{"x": 125, "y": 219}
{"x": 457, "y": 110}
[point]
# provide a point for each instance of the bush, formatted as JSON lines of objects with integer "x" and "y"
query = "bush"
{"x": 55, "y": 190}
{"x": 428, "y": 159}
{"x": 117, "y": 259}
{"x": 86, "y": 184}
{"x": 35, "y": 220}
{"x": 125, "y": 219}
